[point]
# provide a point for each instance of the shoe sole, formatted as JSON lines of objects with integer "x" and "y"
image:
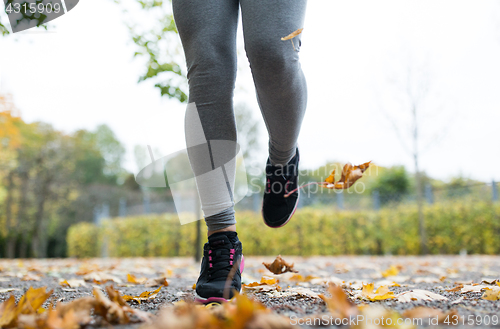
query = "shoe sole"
{"x": 289, "y": 217}
{"x": 202, "y": 300}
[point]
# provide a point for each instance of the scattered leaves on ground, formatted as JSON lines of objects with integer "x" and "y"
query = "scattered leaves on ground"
{"x": 146, "y": 295}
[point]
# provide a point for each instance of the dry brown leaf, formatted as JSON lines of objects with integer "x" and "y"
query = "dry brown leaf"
{"x": 292, "y": 35}
{"x": 241, "y": 312}
{"x": 473, "y": 288}
{"x": 101, "y": 277}
{"x": 350, "y": 174}
{"x": 31, "y": 277}
{"x": 115, "y": 309}
{"x": 301, "y": 278}
{"x": 418, "y": 294}
{"x": 144, "y": 296}
{"x": 339, "y": 304}
{"x": 266, "y": 284}
{"x": 30, "y": 303}
{"x": 380, "y": 294}
{"x": 279, "y": 266}
{"x": 457, "y": 288}
{"x": 161, "y": 281}
{"x": 70, "y": 315}
{"x": 426, "y": 279}
{"x": 73, "y": 283}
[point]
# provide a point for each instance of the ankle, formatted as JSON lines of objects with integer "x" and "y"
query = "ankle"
{"x": 231, "y": 228}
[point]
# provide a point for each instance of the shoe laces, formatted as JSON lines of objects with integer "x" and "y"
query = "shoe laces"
{"x": 284, "y": 180}
{"x": 220, "y": 260}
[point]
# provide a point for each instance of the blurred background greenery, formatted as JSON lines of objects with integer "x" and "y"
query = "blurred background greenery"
{"x": 71, "y": 193}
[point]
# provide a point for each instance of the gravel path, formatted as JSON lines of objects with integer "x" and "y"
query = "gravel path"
{"x": 433, "y": 273}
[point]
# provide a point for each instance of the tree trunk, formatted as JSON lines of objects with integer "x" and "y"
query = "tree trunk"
{"x": 37, "y": 241}
{"x": 10, "y": 242}
{"x": 418, "y": 183}
{"x": 21, "y": 214}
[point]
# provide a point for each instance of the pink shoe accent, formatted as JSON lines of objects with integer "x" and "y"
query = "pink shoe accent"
{"x": 242, "y": 264}
{"x": 230, "y": 262}
{"x": 210, "y": 300}
{"x": 210, "y": 265}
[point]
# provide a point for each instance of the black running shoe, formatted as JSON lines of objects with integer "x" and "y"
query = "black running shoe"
{"x": 220, "y": 253}
{"x": 276, "y": 209}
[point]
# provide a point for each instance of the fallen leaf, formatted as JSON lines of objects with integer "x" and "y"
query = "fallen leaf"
{"x": 380, "y": 294}
{"x": 161, "y": 281}
{"x": 473, "y": 288}
{"x": 458, "y": 301}
{"x": 417, "y": 295}
{"x": 491, "y": 293}
{"x": 30, "y": 303}
{"x": 489, "y": 281}
{"x": 240, "y": 312}
{"x": 132, "y": 279}
{"x": 426, "y": 280}
{"x": 279, "y": 266}
{"x": 292, "y": 35}
{"x": 301, "y": 278}
{"x": 31, "y": 277}
{"x": 339, "y": 304}
{"x": 73, "y": 283}
{"x": 115, "y": 309}
{"x": 391, "y": 271}
{"x": 101, "y": 278}
{"x": 144, "y": 296}
{"x": 457, "y": 288}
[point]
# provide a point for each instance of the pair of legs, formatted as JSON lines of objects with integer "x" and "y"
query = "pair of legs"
{"x": 208, "y": 30}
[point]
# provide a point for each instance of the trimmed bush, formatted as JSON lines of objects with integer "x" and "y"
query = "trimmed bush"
{"x": 83, "y": 240}
{"x": 450, "y": 227}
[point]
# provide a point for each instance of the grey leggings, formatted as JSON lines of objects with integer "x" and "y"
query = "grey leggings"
{"x": 207, "y": 29}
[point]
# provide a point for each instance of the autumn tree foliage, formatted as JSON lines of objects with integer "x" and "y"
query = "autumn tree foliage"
{"x": 49, "y": 180}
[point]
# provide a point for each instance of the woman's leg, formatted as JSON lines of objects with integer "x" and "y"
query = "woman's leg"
{"x": 208, "y": 34}
{"x": 279, "y": 81}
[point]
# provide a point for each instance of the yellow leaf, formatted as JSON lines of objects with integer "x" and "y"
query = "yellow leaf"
{"x": 391, "y": 271}
{"x": 380, "y": 294}
{"x": 146, "y": 295}
{"x": 491, "y": 293}
{"x": 132, "y": 279}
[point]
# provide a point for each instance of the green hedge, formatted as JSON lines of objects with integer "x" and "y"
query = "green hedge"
{"x": 450, "y": 228}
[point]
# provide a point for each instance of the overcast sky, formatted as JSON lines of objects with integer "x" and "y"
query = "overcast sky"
{"x": 353, "y": 54}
